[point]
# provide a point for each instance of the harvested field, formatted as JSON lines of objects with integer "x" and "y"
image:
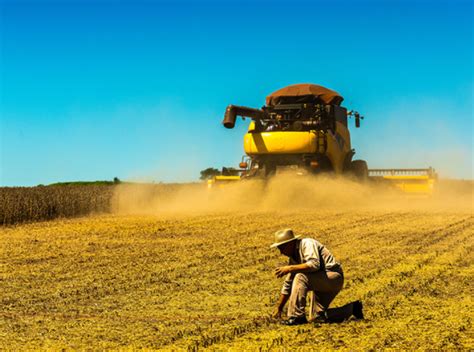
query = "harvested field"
{"x": 205, "y": 280}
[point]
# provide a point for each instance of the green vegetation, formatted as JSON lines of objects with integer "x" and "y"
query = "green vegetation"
{"x": 209, "y": 173}
{"x": 115, "y": 181}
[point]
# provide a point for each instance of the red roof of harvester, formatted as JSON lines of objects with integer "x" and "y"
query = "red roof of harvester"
{"x": 299, "y": 90}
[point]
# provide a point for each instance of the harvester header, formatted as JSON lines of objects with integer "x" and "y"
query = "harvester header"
{"x": 415, "y": 181}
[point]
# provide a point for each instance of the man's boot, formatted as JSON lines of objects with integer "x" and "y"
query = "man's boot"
{"x": 320, "y": 319}
{"x": 338, "y": 315}
{"x": 357, "y": 310}
{"x": 295, "y": 321}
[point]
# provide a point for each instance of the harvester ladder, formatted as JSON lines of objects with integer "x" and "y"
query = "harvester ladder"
{"x": 321, "y": 142}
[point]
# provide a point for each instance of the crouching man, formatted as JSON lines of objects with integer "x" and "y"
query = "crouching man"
{"x": 311, "y": 268}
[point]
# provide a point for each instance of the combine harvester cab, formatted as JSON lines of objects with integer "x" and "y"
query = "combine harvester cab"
{"x": 301, "y": 127}
{"x": 410, "y": 181}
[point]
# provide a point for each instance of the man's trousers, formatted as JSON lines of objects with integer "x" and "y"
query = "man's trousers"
{"x": 325, "y": 285}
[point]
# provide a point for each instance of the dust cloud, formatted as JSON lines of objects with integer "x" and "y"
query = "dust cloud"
{"x": 287, "y": 193}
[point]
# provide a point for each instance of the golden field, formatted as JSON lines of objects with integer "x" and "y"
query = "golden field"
{"x": 194, "y": 271}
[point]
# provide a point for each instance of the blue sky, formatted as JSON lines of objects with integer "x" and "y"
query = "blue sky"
{"x": 96, "y": 89}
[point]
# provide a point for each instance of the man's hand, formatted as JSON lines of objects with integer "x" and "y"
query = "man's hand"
{"x": 277, "y": 313}
{"x": 283, "y": 270}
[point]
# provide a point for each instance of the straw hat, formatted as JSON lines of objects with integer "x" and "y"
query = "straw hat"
{"x": 284, "y": 236}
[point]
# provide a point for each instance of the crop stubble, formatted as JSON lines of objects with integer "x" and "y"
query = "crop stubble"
{"x": 191, "y": 281}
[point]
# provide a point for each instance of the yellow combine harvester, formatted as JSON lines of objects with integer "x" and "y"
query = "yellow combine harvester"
{"x": 304, "y": 129}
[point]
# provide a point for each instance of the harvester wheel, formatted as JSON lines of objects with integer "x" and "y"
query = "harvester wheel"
{"x": 360, "y": 169}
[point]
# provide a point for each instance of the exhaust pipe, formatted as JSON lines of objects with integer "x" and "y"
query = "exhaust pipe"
{"x": 233, "y": 111}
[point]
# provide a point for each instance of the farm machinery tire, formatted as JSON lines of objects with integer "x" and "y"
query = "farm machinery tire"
{"x": 359, "y": 169}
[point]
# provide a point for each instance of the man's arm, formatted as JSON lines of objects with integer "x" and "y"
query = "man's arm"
{"x": 280, "y": 304}
{"x": 310, "y": 257}
{"x": 297, "y": 268}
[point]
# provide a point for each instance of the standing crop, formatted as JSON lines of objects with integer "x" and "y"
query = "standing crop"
{"x": 28, "y": 204}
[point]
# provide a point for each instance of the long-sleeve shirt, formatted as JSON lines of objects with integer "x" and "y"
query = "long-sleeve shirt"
{"x": 315, "y": 255}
